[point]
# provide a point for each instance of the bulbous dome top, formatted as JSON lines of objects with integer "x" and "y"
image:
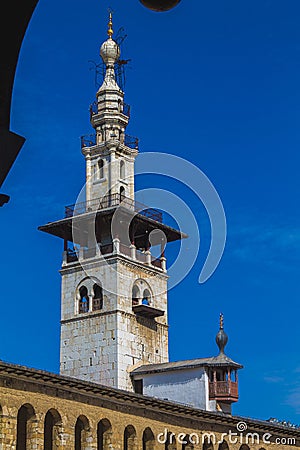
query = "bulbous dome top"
{"x": 110, "y": 51}
{"x": 221, "y": 338}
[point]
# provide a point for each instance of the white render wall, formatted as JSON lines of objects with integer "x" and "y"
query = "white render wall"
{"x": 186, "y": 386}
{"x": 102, "y": 346}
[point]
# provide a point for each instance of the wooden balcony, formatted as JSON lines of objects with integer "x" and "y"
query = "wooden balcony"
{"x": 226, "y": 391}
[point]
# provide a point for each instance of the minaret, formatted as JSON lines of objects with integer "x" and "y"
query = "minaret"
{"x": 114, "y": 292}
{"x": 109, "y": 164}
{"x": 223, "y": 375}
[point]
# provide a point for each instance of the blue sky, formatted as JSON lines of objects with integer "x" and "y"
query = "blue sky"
{"x": 216, "y": 83}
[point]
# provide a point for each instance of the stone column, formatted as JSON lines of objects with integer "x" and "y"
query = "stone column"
{"x": 88, "y": 178}
{"x": 116, "y": 245}
{"x": 81, "y": 253}
{"x": 133, "y": 251}
{"x": 65, "y": 258}
{"x": 8, "y": 431}
{"x": 35, "y": 431}
{"x": 67, "y": 437}
{"x": 163, "y": 263}
{"x": 148, "y": 257}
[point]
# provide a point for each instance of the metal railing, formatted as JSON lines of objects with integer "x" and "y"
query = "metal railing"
{"x": 111, "y": 201}
{"x": 131, "y": 141}
{"x": 108, "y": 249}
{"x": 90, "y": 140}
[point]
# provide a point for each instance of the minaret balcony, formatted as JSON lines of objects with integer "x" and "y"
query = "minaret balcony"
{"x": 147, "y": 311}
{"x": 71, "y": 255}
{"x": 226, "y": 391}
{"x": 142, "y": 307}
{"x": 90, "y": 140}
{"x": 112, "y": 201}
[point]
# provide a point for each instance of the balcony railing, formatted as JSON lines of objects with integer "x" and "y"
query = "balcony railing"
{"x": 219, "y": 390}
{"x": 131, "y": 141}
{"x": 108, "y": 249}
{"x": 90, "y": 140}
{"x": 111, "y": 201}
{"x": 72, "y": 255}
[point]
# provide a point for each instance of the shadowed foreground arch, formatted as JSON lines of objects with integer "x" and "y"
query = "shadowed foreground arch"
{"x": 16, "y": 16}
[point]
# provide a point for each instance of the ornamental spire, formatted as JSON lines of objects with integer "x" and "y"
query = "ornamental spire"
{"x": 110, "y": 53}
{"x": 110, "y": 30}
{"x": 221, "y": 321}
{"x": 221, "y": 338}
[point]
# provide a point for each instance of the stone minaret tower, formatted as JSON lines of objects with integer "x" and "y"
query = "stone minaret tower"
{"x": 114, "y": 293}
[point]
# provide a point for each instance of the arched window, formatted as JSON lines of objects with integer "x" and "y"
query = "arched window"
{"x": 97, "y": 297}
{"x": 101, "y": 168}
{"x": 223, "y": 446}
{"x": 52, "y": 426}
{"x": 146, "y": 300}
{"x": 83, "y": 300}
{"x": 170, "y": 442}
{"x": 81, "y": 432}
{"x": 148, "y": 439}
{"x": 188, "y": 444}
{"x": 104, "y": 433}
{"x": 122, "y": 193}
{"x": 122, "y": 169}
{"x": 207, "y": 444}
{"x": 130, "y": 441}
{"x": 244, "y": 447}
{"x": 135, "y": 295}
{"x": 25, "y": 424}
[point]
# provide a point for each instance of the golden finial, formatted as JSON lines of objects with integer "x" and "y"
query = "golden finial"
{"x": 110, "y": 30}
{"x": 221, "y": 321}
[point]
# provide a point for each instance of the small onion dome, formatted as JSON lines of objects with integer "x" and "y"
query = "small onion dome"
{"x": 221, "y": 338}
{"x": 110, "y": 52}
{"x": 160, "y": 5}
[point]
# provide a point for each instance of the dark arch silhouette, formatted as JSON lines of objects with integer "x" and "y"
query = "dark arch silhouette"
{"x": 16, "y": 15}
